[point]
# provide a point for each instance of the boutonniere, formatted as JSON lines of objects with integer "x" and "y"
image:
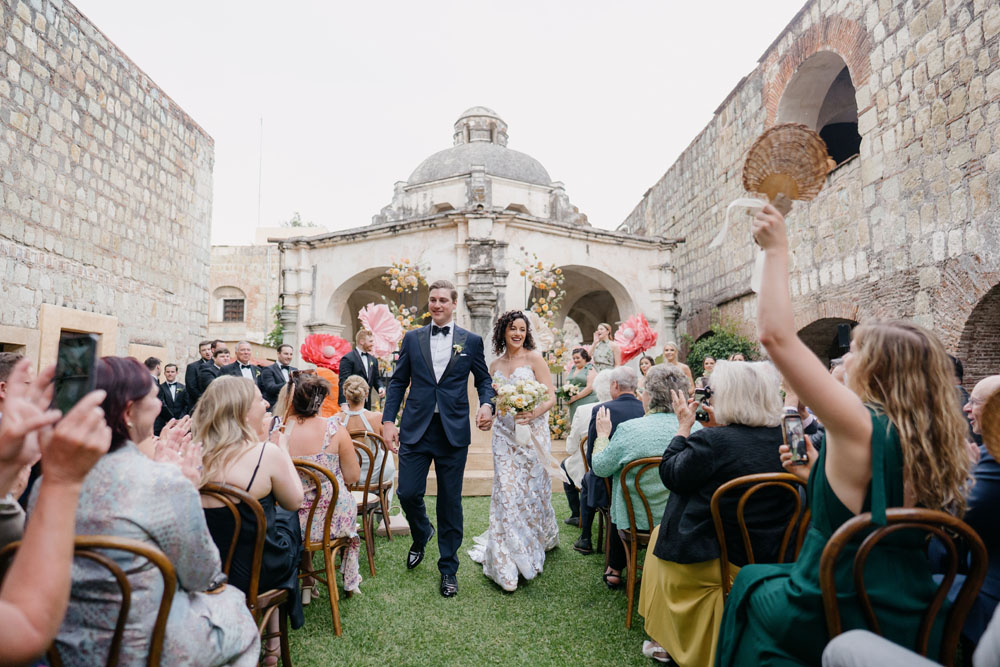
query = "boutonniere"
{"x": 458, "y": 349}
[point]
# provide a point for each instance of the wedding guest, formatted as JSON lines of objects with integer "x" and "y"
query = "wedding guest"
{"x": 357, "y": 418}
{"x": 173, "y": 396}
{"x": 636, "y": 439}
{"x": 737, "y": 356}
{"x": 232, "y": 424}
{"x": 326, "y": 443}
{"x": 153, "y": 366}
{"x": 208, "y": 372}
{"x": 645, "y": 363}
{"x": 594, "y": 494}
{"x": 191, "y": 380}
{"x": 360, "y": 362}
{"x": 582, "y": 375}
{"x": 15, "y": 375}
{"x": 276, "y": 376}
{"x": 605, "y": 353}
{"x": 963, "y": 395}
{"x": 573, "y": 464}
{"x": 894, "y": 439}
{"x": 33, "y": 599}
{"x": 708, "y": 365}
{"x": 127, "y": 494}
{"x": 670, "y": 356}
{"x": 681, "y": 595}
{"x": 242, "y": 366}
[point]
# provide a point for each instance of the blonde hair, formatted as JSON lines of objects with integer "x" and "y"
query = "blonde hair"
{"x": 220, "y": 424}
{"x": 356, "y": 389}
{"x": 903, "y": 371}
{"x": 746, "y": 393}
{"x": 362, "y": 334}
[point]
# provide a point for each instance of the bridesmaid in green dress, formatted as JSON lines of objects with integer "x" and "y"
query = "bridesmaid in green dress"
{"x": 582, "y": 375}
{"x": 893, "y": 439}
{"x": 605, "y": 352}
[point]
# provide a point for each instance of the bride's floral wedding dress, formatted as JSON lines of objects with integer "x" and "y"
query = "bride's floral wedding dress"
{"x": 522, "y": 522}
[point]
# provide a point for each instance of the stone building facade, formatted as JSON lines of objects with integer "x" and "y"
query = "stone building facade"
{"x": 106, "y": 191}
{"x": 473, "y": 213}
{"x": 909, "y": 227}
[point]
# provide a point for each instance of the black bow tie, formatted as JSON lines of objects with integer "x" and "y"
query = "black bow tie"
{"x": 435, "y": 330}
{"x": 244, "y": 366}
{"x": 284, "y": 368}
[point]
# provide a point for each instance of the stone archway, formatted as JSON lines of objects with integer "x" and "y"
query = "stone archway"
{"x": 979, "y": 344}
{"x": 364, "y": 288}
{"x": 592, "y": 297}
{"x": 821, "y": 336}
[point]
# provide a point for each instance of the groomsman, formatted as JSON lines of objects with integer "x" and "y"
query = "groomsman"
{"x": 242, "y": 366}
{"x": 172, "y": 396}
{"x": 360, "y": 361}
{"x": 220, "y": 358}
{"x": 191, "y": 379}
{"x": 275, "y": 376}
{"x": 152, "y": 365}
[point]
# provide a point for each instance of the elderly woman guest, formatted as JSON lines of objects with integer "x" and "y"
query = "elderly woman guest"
{"x": 325, "y": 442}
{"x": 231, "y": 423}
{"x": 127, "y": 494}
{"x": 670, "y": 356}
{"x": 605, "y": 353}
{"x": 356, "y": 418}
{"x": 582, "y": 375}
{"x": 636, "y": 439}
{"x": 681, "y": 596}
{"x": 893, "y": 439}
{"x": 573, "y": 464}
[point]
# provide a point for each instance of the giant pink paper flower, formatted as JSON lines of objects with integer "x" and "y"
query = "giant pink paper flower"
{"x": 385, "y": 329}
{"x": 634, "y": 337}
{"x": 324, "y": 350}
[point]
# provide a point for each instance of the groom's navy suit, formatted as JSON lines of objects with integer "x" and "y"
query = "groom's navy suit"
{"x": 435, "y": 427}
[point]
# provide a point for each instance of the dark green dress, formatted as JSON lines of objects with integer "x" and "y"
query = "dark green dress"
{"x": 579, "y": 378}
{"x": 774, "y": 613}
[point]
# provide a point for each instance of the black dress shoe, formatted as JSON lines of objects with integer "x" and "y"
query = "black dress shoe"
{"x": 416, "y": 554}
{"x": 584, "y": 546}
{"x": 449, "y": 585}
{"x": 572, "y": 521}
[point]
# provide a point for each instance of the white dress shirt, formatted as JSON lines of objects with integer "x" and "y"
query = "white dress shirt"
{"x": 284, "y": 372}
{"x": 364, "y": 363}
{"x": 172, "y": 386}
{"x": 246, "y": 371}
{"x": 441, "y": 350}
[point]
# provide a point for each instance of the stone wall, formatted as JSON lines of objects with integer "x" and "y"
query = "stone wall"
{"x": 105, "y": 190}
{"x": 907, "y": 229}
{"x": 254, "y": 272}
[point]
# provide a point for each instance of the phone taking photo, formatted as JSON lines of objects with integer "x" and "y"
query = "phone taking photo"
{"x": 74, "y": 376}
{"x": 793, "y": 433}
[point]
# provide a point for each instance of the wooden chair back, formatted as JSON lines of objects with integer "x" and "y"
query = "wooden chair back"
{"x": 583, "y": 455}
{"x": 231, "y": 497}
{"x": 643, "y": 466}
{"x": 317, "y": 474}
{"x": 364, "y": 453}
{"x": 376, "y": 445}
{"x": 755, "y": 483}
{"x": 951, "y": 531}
{"x": 86, "y": 546}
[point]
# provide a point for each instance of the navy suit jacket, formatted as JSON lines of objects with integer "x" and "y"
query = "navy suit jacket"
{"x": 416, "y": 371}
{"x": 621, "y": 409}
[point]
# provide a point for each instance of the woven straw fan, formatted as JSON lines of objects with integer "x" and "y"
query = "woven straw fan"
{"x": 787, "y": 162}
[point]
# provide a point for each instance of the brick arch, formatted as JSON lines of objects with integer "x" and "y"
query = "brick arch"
{"x": 979, "y": 344}
{"x": 843, "y": 36}
{"x": 828, "y": 309}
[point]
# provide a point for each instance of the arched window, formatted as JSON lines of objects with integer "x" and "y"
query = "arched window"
{"x": 229, "y": 304}
{"x": 821, "y": 95}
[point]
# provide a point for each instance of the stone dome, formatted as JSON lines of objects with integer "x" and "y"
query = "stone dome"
{"x": 480, "y": 141}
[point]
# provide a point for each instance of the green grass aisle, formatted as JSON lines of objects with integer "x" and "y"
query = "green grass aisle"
{"x": 565, "y": 616}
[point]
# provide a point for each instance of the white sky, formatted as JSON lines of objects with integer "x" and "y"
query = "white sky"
{"x": 354, "y": 95}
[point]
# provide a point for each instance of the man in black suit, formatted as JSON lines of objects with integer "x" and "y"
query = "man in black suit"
{"x": 242, "y": 366}
{"x": 191, "y": 380}
{"x": 207, "y": 373}
{"x": 593, "y": 493}
{"x": 360, "y": 361}
{"x": 275, "y": 376}
{"x": 172, "y": 396}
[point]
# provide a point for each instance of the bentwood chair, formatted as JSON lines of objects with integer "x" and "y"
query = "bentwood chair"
{"x": 366, "y": 498}
{"x": 325, "y": 483}
{"x": 380, "y": 484}
{"x": 262, "y": 605}
{"x": 603, "y": 513}
{"x": 634, "y": 538}
{"x": 94, "y": 548}
{"x": 783, "y": 481}
{"x": 954, "y": 534}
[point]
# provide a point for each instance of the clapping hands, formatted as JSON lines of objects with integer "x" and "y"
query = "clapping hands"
{"x": 174, "y": 446}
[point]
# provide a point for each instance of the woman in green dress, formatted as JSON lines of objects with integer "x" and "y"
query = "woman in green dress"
{"x": 605, "y": 352}
{"x": 582, "y": 375}
{"x": 893, "y": 439}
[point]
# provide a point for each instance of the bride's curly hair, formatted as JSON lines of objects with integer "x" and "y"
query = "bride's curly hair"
{"x": 500, "y": 329}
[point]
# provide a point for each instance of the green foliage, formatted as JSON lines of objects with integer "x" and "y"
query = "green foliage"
{"x": 296, "y": 221}
{"x": 275, "y": 337}
{"x": 724, "y": 340}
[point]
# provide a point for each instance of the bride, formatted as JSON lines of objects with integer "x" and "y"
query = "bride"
{"x": 522, "y": 522}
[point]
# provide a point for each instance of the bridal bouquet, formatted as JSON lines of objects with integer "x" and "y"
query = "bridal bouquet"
{"x": 568, "y": 391}
{"x": 515, "y": 396}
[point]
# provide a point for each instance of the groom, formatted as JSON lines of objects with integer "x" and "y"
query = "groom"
{"x": 435, "y": 362}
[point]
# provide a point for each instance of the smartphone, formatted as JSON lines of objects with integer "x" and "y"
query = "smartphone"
{"x": 275, "y": 424}
{"x": 794, "y": 436}
{"x": 74, "y": 376}
{"x": 702, "y": 395}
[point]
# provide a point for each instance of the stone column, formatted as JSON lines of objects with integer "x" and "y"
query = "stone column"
{"x": 485, "y": 267}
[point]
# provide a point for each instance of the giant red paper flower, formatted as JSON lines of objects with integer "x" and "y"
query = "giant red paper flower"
{"x": 634, "y": 337}
{"x": 385, "y": 329}
{"x": 324, "y": 350}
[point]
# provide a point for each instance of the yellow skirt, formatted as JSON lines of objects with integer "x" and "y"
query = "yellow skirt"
{"x": 682, "y": 605}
